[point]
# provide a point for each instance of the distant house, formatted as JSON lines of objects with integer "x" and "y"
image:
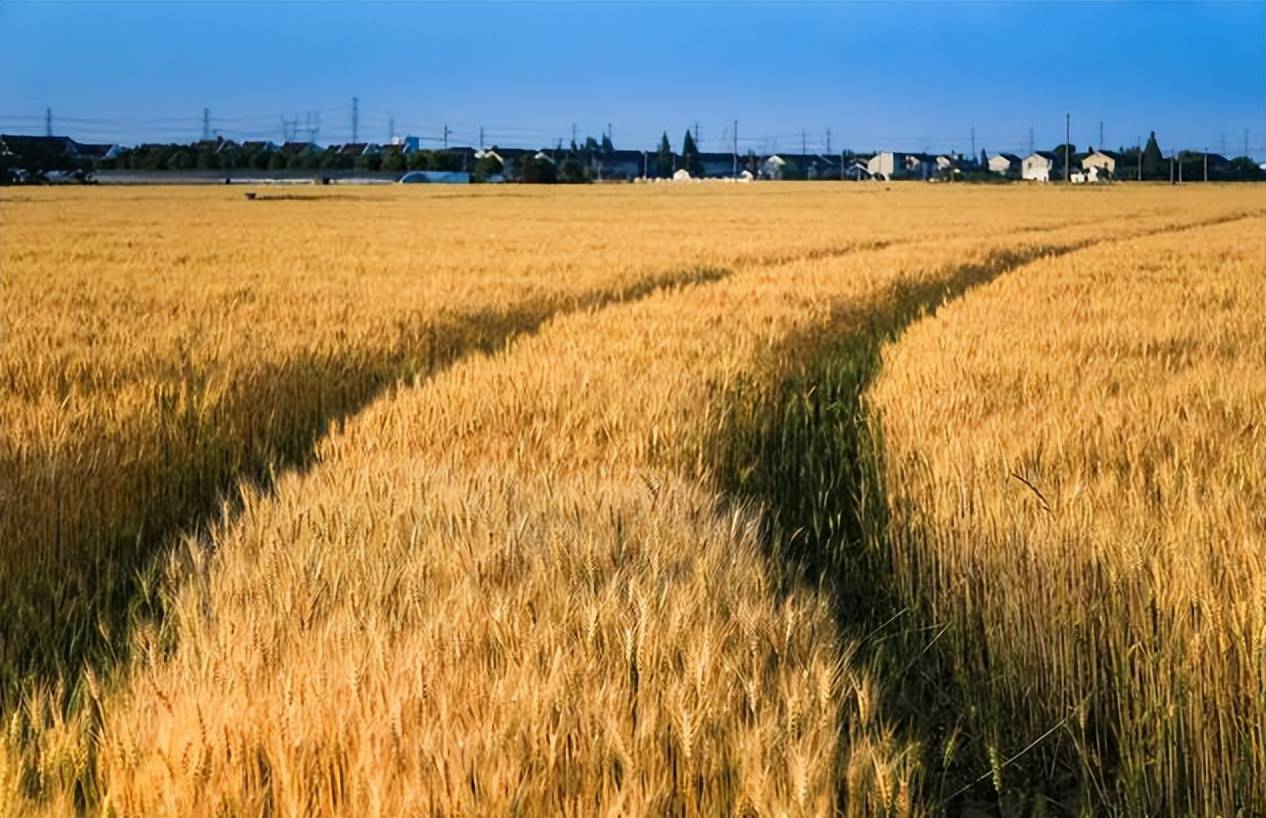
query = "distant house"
{"x": 359, "y": 149}
{"x": 217, "y": 145}
{"x": 1040, "y": 166}
{"x": 51, "y": 148}
{"x": 1106, "y": 164}
{"x": 97, "y": 151}
{"x": 895, "y": 165}
{"x": 772, "y": 167}
{"x": 947, "y": 161}
{"x": 291, "y": 149}
{"x": 717, "y": 165}
{"x": 257, "y": 147}
{"x": 506, "y": 156}
{"x": 409, "y": 143}
{"x": 856, "y": 170}
{"x": 1005, "y": 163}
{"x": 811, "y": 166}
{"x": 620, "y": 164}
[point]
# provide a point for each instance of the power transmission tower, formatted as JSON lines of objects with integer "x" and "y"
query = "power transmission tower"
{"x": 206, "y": 124}
{"x": 355, "y": 119}
{"x": 48, "y": 121}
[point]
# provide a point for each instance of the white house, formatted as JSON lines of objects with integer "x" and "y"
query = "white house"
{"x": 1004, "y": 163}
{"x": 772, "y": 167}
{"x": 895, "y": 165}
{"x": 856, "y": 170}
{"x": 1040, "y": 166}
{"x": 1106, "y": 163}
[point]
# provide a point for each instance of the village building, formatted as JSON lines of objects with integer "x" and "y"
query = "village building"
{"x": 1040, "y": 166}
{"x": 1005, "y": 163}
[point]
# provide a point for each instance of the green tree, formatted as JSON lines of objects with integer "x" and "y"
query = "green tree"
{"x": 572, "y": 171}
{"x": 485, "y": 167}
{"x": 393, "y": 160}
{"x": 690, "y": 155}
{"x": 208, "y": 160}
{"x": 664, "y": 158}
{"x": 1154, "y": 166}
{"x": 531, "y": 170}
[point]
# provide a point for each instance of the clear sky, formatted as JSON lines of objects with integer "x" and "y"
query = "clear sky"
{"x": 878, "y": 75}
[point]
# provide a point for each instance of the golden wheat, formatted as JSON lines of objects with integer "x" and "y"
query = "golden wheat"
{"x": 1074, "y": 454}
{"x": 515, "y": 584}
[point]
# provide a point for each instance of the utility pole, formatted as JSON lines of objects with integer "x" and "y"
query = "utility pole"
{"x": 1140, "y": 154}
{"x": 1101, "y": 134}
{"x": 481, "y": 137}
{"x": 1179, "y": 168}
{"x": 391, "y": 131}
{"x": 735, "y": 169}
{"x": 573, "y": 133}
{"x": 1206, "y": 164}
{"x": 803, "y": 143}
{"x": 1171, "y": 168}
{"x": 609, "y": 139}
{"x": 446, "y": 133}
{"x": 1030, "y": 153}
{"x": 206, "y": 124}
{"x": 973, "y": 140}
{"x": 355, "y": 119}
{"x": 1246, "y": 141}
{"x": 1067, "y": 136}
{"x": 48, "y": 122}
{"x": 828, "y": 141}
{"x": 696, "y": 134}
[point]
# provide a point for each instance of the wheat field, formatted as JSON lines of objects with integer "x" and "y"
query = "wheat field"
{"x": 631, "y": 501}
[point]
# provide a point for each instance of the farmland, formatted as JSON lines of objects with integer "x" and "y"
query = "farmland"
{"x": 710, "y": 500}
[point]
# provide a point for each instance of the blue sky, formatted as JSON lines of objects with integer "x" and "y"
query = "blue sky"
{"x": 897, "y": 75}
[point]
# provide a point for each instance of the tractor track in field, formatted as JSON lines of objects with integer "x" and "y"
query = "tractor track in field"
{"x": 814, "y": 467}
